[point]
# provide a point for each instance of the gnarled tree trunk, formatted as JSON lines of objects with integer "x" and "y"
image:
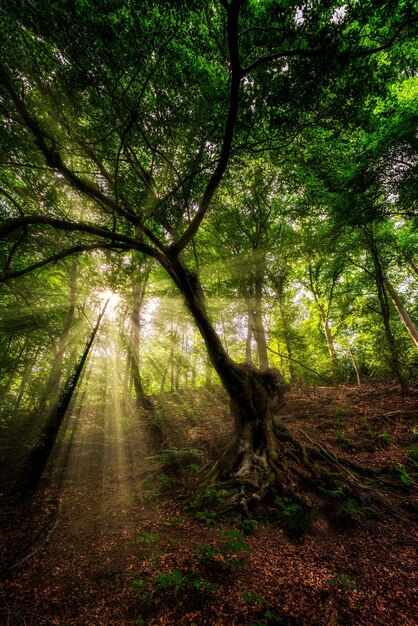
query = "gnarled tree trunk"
{"x": 255, "y": 395}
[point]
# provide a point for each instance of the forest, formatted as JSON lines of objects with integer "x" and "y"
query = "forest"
{"x": 209, "y": 312}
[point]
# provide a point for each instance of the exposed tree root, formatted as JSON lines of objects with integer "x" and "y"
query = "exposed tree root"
{"x": 303, "y": 476}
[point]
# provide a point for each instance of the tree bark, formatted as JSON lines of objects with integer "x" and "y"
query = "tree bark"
{"x": 135, "y": 342}
{"x": 255, "y": 296}
{"x": 324, "y": 317}
{"x": 385, "y": 312}
{"x": 51, "y": 390}
{"x": 354, "y": 364}
{"x": 409, "y": 258}
{"x": 403, "y": 314}
{"x": 38, "y": 457}
{"x": 255, "y": 395}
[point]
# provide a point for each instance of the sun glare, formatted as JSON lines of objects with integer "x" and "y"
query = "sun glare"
{"x": 113, "y": 300}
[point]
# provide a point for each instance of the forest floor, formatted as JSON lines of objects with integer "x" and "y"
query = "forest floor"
{"x": 107, "y": 539}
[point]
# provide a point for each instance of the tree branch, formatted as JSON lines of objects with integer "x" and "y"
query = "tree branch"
{"x": 61, "y": 255}
{"x": 9, "y": 226}
{"x": 283, "y": 356}
{"x": 54, "y": 161}
{"x": 233, "y": 10}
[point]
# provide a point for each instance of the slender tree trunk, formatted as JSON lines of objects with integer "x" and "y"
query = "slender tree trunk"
{"x": 24, "y": 348}
{"x": 403, "y": 314}
{"x": 25, "y": 378}
{"x": 385, "y": 312}
{"x": 50, "y": 392}
{"x": 135, "y": 342}
{"x": 323, "y": 315}
{"x": 354, "y": 364}
{"x": 409, "y": 258}
{"x": 286, "y": 333}
{"x": 38, "y": 457}
{"x": 208, "y": 372}
{"x": 256, "y": 293}
{"x": 248, "y": 341}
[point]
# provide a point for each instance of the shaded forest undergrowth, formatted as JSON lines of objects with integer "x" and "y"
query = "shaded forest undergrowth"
{"x": 108, "y": 537}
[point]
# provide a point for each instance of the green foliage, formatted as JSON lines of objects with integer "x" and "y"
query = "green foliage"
{"x": 169, "y": 580}
{"x": 341, "y": 580}
{"x": 166, "y": 483}
{"x": 144, "y": 598}
{"x": 404, "y": 475}
{"x": 207, "y": 516}
{"x": 149, "y": 538}
{"x": 384, "y": 440}
{"x": 332, "y": 493}
{"x": 175, "y": 520}
{"x": 249, "y": 525}
{"x": 190, "y": 470}
{"x": 225, "y": 553}
{"x": 341, "y": 411}
{"x": 252, "y": 598}
{"x": 414, "y": 434}
{"x": 180, "y": 461}
{"x": 413, "y": 455}
{"x": 352, "y": 508}
{"x": 342, "y": 438}
{"x": 289, "y": 509}
{"x": 298, "y": 516}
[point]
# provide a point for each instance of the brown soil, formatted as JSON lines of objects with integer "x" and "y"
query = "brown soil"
{"x": 111, "y": 543}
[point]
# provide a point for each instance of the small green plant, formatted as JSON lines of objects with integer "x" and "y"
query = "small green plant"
{"x": 249, "y": 525}
{"x": 403, "y": 475}
{"x": 384, "y": 440}
{"x": 413, "y": 455}
{"x": 352, "y": 508}
{"x": 342, "y": 438}
{"x": 289, "y": 509}
{"x": 207, "y": 516}
{"x": 148, "y": 538}
{"x": 144, "y": 598}
{"x": 175, "y": 520}
{"x": 165, "y": 482}
{"x": 169, "y": 580}
{"x": 269, "y": 619}
{"x": 212, "y": 497}
{"x": 344, "y": 581}
{"x": 414, "y": 434}
{"x": 190, "y": 470}
{"x": 150, "y": 542}
{"x": 175, "y": 581}
{"x": 202, "y": 585}
{"x": 332, "y": 493}
{"x": 226, "y": 553}
{"x": 297, "y": 514}
{"x": 252, "y": 598}
{"x": 341, "y": 411}
{"x": 176, "y": 459}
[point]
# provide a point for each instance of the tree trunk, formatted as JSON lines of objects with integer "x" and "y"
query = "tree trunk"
{"x": 403, "y": 314}
{"x": 250, "y": 324}
{"x": 38, "y": 457}
{"x": 286, "y": 334}
{"x": 409, "y": 258}
{"x": 354, "y": 364}
{"x": 385, "y": 312}
{"x": 254, "y": 394}
{"x": 255, "y": 291}
{"x": 134, "y": 343}
{"x": 51, "y": 390}
{"x": 324, "y": 317}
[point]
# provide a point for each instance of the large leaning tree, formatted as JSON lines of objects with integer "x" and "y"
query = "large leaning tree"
{"x": 120, "y": 122}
